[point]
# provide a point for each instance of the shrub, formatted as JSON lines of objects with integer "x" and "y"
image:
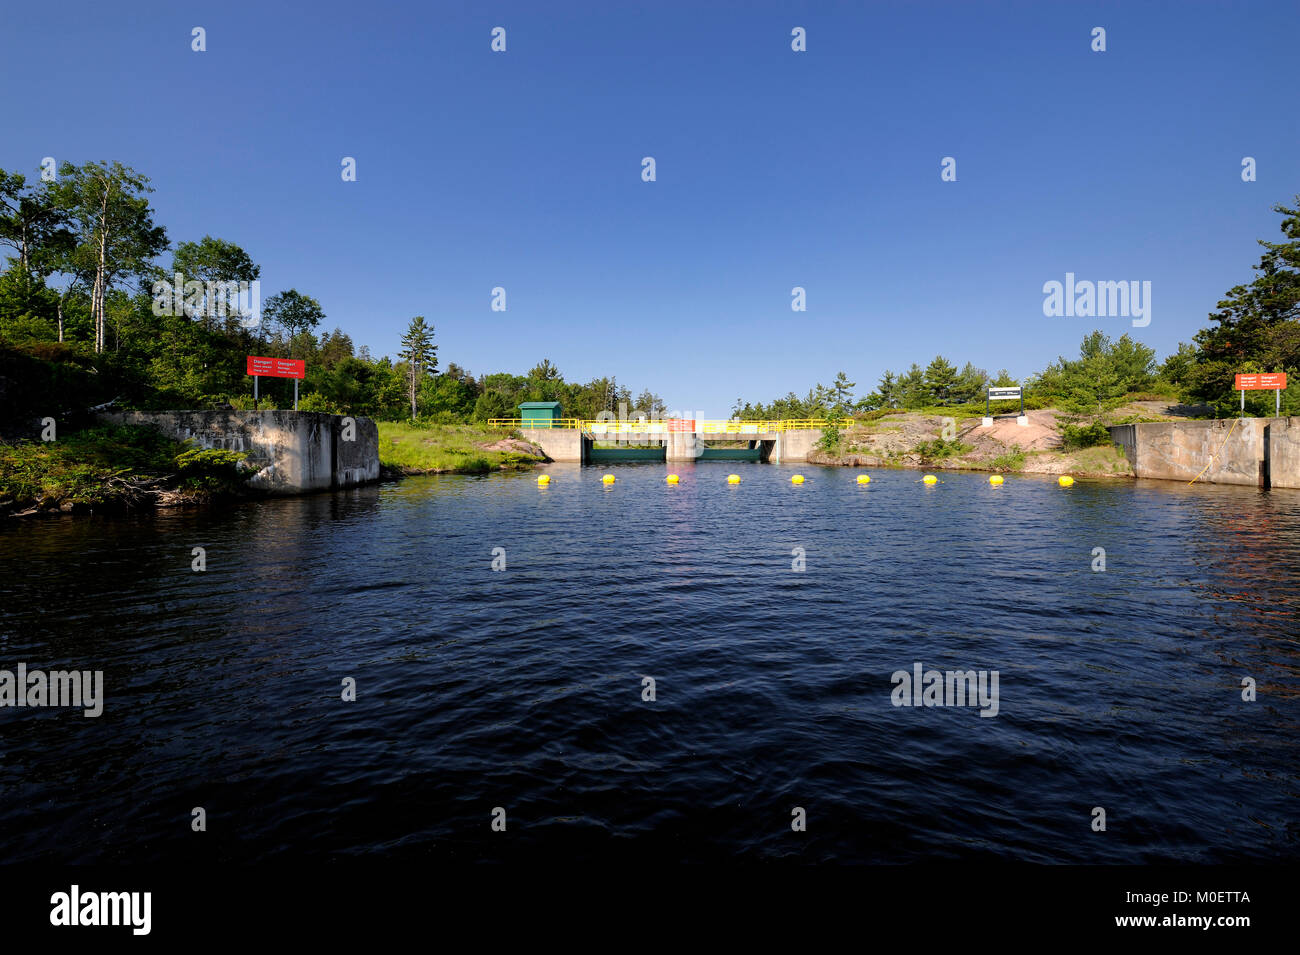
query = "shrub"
{"x": 1075, "y": 437}
{"x": 210, "y": 469}
{"x": 939, "y": 448}
{"x": 1013, "y": 460}
{"x": 318, "y": 402}
{"x": 829, "y": 442}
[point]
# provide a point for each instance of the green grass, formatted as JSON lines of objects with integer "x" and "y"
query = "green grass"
{"x": 1013, "y": 460}
{"x": 93, "y": 466}
{"x": 1102, "y": 459}
{"x": 445, "y": 447}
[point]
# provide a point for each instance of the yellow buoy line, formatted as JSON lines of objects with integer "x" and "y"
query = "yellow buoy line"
{"x": 929, "y": 480}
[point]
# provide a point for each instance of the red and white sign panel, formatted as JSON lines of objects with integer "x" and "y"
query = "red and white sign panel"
{"x": 681, "y": 424}
{"x": 1260, "y": 382}
{"x": 277, "y": 367}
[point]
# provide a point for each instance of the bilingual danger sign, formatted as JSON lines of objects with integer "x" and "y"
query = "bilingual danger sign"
{"x": 1260, "y": 382}
{"x": 277, "y": 367}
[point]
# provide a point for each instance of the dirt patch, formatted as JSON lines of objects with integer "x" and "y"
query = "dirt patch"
{"x": 1040, "y": 433}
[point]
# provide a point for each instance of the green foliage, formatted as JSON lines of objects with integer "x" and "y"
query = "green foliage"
{"x": 210, "y": 469}
{"x": 1257, "y": 326}
{"x": 1013, "y": 460}
{"x": 293, "y": 312}
{"x": 96, "y": 464}
{"x": 1075, "y": 437}
{"x": 940, "y": 381}
{"x": 319, "y": 403}
{"x": 830, "y": 440}
{"x": 1100, "y": 378}
{"x": 938, "y": 449}
{"x": 114, "y": 238}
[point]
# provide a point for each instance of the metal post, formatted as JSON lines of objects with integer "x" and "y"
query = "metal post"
{"x": 256, "y": 378}
{"x": 1243, "y": 402}
{"x": 295, "y": 394}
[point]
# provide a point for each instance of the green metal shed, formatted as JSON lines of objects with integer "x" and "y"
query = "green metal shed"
{"x": 539, "y": 414}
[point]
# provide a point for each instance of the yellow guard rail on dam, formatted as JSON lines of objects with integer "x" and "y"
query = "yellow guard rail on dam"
{"x": 698, "y": 426}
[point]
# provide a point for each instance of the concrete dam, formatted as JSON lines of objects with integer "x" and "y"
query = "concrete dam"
{"x": 577, "y": 443}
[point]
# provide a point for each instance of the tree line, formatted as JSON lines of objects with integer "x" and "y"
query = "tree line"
{"x": 84, "y": 278}
{"x": 83, "y": 269}
{"x": 1255, "y": 328}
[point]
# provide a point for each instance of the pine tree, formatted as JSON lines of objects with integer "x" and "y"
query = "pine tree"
{"x": 913, "y": 391}
{"x": 888, "y": 390}
{"x": 941, "y": 380}
{"x": 421, "y": 356}
{"x": 970, "y": 385}
{"x": 841, "y": 395}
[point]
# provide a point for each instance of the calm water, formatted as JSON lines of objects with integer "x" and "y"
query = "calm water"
{"x": 523, "y": 688}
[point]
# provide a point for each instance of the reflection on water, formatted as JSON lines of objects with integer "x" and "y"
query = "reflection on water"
{"x": 523, "y": 688}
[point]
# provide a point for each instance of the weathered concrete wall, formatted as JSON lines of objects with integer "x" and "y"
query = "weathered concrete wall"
{"x": 356, "y": 451}
{"x": 292, "y": 451}
{"x": 1234, "y": 449}
{"x": 1125, "y": 435}
{"x": 558, "y": 444}
{"x": 793, "y": 447}
{"x": 1284, "y": 452}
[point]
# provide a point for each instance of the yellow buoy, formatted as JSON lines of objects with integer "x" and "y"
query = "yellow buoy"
{"x": 1065, "y": 480}
{"x": 995, "y": 479}
{"x": 864, "y": 479}
{"x": 608, "y": 479}
{"x": 733, "y": 478}
{"x": 544, "y": 480}
{"x": 796, "y": 479}
{"x": 671, "y": 479}
{"x": 930, "y": 479}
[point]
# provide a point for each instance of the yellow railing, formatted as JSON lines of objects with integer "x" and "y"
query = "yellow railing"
{"x": 515, "y": 423}
{"x": 662, "y": 426}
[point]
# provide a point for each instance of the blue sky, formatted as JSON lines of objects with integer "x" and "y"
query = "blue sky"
{"x": 775, "y": 169}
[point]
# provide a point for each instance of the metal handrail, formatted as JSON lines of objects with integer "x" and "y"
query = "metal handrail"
{"x": 666, "y": 426}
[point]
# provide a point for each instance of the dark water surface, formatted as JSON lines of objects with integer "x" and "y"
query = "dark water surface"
{"x": 523, "y": 689}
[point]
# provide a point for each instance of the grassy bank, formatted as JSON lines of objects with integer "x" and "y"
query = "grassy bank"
{"x": 112, "y": 468}
{"x": 452, "y": 449}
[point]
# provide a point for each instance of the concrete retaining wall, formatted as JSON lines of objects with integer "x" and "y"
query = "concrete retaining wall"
{"x": 1257, "y": 452}
{"x": 1284, "y": 452}
{"x": 793, "y": 447}
{"x": 559, "y": 444}
{"x": 293, "y": 451}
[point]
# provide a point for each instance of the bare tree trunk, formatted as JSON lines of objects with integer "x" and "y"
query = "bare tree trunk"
{"x": 97, "y": 300}
{"x": 60, "y": 318}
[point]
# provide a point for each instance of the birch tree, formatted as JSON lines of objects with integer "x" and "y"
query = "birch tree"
{"x": 115, "y": 234}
